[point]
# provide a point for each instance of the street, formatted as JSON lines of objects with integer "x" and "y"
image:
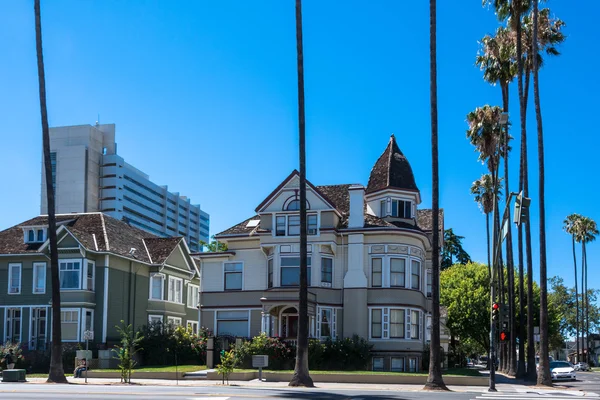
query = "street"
{"x": 216, "y": 392}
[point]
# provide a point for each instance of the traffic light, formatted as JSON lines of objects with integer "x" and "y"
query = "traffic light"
{"x": 503, "y": 336}
{"x": 505, "y": 309}
{"x": 521, "y": 213}
{"x": 495, "y": 311}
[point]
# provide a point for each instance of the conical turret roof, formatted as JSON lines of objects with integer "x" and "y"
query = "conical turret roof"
{"x": 392, "y": 171}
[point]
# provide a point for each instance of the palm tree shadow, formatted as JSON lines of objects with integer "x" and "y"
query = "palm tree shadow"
{"x": 309, "y": 394}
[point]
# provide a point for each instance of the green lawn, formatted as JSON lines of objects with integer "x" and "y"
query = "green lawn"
{"x": 449, "y": 372}
{"x": 170, "y": 368}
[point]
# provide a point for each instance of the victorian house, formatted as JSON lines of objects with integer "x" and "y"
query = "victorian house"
{"x": 109, "y": 272}
{"x": 369, "y": 260}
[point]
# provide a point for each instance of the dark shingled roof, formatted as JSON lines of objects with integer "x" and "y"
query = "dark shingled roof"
{"x": 340, "y": 197}
{"x": 392, "y": 170}
{"x": 89, "y": 226}
{"x": 425, "y": 219}
{"x": 161, "y": 248}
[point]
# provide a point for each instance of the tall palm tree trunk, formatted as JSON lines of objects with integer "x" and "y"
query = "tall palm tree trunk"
{"x": 544, "y": 377}
{"x": 584, "y": 304}
{"x": 56, "y": 374}
{"x": 576, "y": 300}
{"x": 301, "y": 375}
{"x": 434, "y": 379}
{"x": 512, "y": 354}
{"x": 487, "y": 230}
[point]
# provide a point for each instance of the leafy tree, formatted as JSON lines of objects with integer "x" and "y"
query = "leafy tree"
{"x": 228, "y": 361}
{"x": 453, "y": 248}
{"x": 127, "y": 349}
{"x": 214, "y": 246}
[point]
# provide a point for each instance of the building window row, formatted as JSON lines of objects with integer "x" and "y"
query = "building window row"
{"x": 290, "y": 225}
{"x": 393, "y": 271}
{"x": 143, "y": 196}
{"x": 141, "y": 225}
{"x": 395, "y": 323}
{"x": 142, "y": 216}
{"x": 144, "y": 186}
{"x": 145, "y": 207}
{"x": 397, "y": 364}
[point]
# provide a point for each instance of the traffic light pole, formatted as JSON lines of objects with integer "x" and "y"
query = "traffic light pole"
{"x": 492, "y": 356}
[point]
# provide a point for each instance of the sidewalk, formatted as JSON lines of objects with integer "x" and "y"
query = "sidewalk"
{"x": 256, "y": 384}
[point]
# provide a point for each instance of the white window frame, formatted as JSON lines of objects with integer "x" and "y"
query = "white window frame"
{"x": 152, "y": 317}
{"x": 232, "y": 272}
{"x": 193, "y": 293}
{"x": 216, "y": 319}
{"x": 404, "y": 201}
{"x": 410, "y": 368}
{"x": 78, "y": 311}
{"x": 286, "y": 225}
{"x": 428, "y": 283}
{"x": 37, "y": 265}
{"x": 332, "y": 323}
{"x": 191, "y": 324}
{"x": 271, "y": 273}
{"x": 87, "y": 265}
{"x": 9, "y": 321}
{"x": 162, "y": 286}
{"x": 428, "y": 321}
{"x": 71, "y": 260}
{"x": 323, "y": 283}
{"x": 174, "y": 321}
{"x": 308, "y": 269}
{"x": 411, "y": 324}
{"x": 172, "y": 297}
{"x": 82, "y": 315}
{"x": 11, "y": 266}
{"x": 386, "y": 266}
{"x": 386, "y": 323}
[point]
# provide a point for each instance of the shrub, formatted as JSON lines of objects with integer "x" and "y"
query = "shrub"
{"x": 281, "y": 354}
{"x": 227, "y": 364}
{"x": 127, "y": 350}
{"x": 348, "y": 354}
{"x": 161, "y": 342}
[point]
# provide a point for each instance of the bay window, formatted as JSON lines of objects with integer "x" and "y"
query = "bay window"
{"x": 157, "y": 286}
{"x": 193, "y": 296}
{"x": 415, "y": 324}
{"x": 290, "y": 271}
{"x": 397, "y": 272}
{"x": 91, "y": 270}
{"x": 326, "y": 323}
{"x": 175, "y": 290}
{"x": 69, "y": 325}
{"x": 428, "y": 290}
{"x": 270, "y": 273}
{"x": 376, "y": 323}
{"x": 326, "y": 271}
{"x": 395, "y": 323}
{"x": 415, "y": 274}
{"x": 376, "y": 272}
{"x": 397, "y": 364}
{"x": 70, "y": 274}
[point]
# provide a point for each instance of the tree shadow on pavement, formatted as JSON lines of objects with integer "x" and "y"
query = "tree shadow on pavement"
{"x": 306, "y": 394}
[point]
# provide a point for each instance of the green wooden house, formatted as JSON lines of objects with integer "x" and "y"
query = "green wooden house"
{"x": 109, "y": 271}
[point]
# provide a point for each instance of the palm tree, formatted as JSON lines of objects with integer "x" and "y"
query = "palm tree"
{"x": 56, "y": 374}
{"x": 571, "y": 226}
{"x": 301, "y": 375}
{"x": 483, "y": 190}
{"x": 434, "y": 380}
{"x": 588, "y": 233}
{"x": 497, "y": 60}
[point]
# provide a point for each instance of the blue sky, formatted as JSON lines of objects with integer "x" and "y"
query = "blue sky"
{"x": 203, "y": 94}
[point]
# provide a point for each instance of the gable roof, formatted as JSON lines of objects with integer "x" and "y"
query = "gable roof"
{"x": 96, "y": 232}
{"x": 392, "y": 170}
{"x": 282, "y": 185}
{"x": 339, "y": 196}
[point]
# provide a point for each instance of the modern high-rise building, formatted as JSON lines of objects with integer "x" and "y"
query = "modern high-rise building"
{"x": 89, "y": 176}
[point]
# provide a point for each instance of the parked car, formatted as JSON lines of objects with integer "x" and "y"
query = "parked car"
{"x": 581, "y": 366}
{"x": 562, "y": 370}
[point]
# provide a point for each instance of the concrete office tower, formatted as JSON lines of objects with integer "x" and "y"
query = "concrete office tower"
{"x": 89, "y": 176}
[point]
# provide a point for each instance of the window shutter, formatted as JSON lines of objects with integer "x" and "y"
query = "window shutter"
{"x": 407, "y": 317}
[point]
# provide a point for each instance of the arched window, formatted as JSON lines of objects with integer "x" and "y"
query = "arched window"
{"x": 293, "y": 205}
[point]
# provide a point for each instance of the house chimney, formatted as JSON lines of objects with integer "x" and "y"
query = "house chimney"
{"x": 357, "y": 206}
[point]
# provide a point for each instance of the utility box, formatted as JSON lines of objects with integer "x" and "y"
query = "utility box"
{"x": 260, "y": 361}
{"x": 13, "y": 375}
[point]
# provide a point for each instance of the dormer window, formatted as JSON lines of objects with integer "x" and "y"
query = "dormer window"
{"x": 35, "y": 235}
{"x": 401, "y": 209}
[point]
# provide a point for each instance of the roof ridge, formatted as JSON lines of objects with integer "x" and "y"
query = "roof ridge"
{"x": 104, "y": 231}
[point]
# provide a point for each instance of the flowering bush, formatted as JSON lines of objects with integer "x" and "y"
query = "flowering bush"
{"x": 281, "y": 354}
{"x": 17, "y": 353}
{"x": 161, "y": 343}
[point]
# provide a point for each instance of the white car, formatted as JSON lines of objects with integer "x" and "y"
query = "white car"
{"x": 562, "y": 370}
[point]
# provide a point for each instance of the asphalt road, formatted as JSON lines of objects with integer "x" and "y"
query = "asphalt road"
{"x": 36, "y": 392}
{"x": 587, "y": 381}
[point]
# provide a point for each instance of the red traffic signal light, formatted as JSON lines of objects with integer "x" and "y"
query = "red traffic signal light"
{"x": 503, "y": 336}
{"x": 495, "y": 306}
